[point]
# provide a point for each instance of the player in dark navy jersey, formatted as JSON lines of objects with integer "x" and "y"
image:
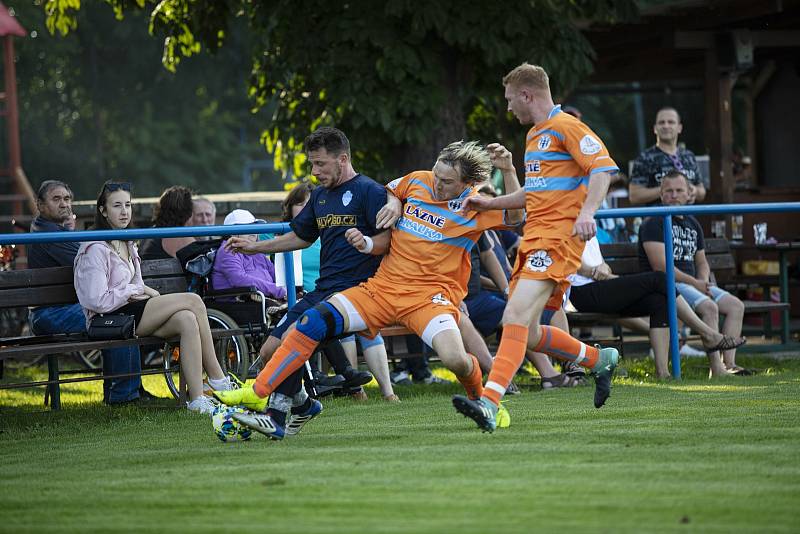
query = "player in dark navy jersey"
{"x": 346, "y": 200}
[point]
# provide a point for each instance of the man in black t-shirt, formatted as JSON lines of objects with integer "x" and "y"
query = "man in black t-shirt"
{"x": 662, "y": 158}
{"x": 692, "y": 272}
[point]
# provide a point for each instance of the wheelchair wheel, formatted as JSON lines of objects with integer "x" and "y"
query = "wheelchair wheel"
{"x": 91, "y": 359}
{"x": 232, "y": 352}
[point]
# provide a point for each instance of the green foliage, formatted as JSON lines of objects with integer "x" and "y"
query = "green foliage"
{"x": 98, "y": 105}
{"x": 400, "y": 77}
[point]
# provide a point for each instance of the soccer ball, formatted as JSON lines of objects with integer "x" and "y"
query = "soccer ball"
{"x": 226, "y": 427}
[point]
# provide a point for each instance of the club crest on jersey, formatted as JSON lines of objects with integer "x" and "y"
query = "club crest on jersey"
{"x": 538, "y": 261}
{"x": 455, "y": 205}
{"x": 544, "y": 142}
{"x": 347, "y": 197}
{"x": 590, "y": 145}
{"x": 438, "y": 298}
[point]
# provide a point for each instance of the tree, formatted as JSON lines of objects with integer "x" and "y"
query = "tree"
{"x": 99, "y": 105}
{"x": 402, "y": 78}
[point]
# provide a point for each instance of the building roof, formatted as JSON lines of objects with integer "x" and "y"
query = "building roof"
{"x": 9, "y": 25}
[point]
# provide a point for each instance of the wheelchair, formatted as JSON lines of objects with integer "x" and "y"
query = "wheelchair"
{"x": 245, "y": 310}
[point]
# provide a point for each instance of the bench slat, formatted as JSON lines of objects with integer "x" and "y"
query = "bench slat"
{"x": 35, "y": 277}
{"x": 66, "y": 348}
{"x": 39, "y": 296}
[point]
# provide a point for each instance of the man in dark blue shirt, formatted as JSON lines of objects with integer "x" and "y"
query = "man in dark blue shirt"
{"x": 54, "y": 202}
{"x": 347, "y": 199}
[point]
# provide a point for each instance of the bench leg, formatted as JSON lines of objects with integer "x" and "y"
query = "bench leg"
{"x": 53, "y": 390}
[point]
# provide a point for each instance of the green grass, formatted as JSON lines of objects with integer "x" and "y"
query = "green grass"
{"x": 695, "y": 455}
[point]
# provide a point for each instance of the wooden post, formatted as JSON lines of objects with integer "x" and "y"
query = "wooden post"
{"x": 719, "y": 130}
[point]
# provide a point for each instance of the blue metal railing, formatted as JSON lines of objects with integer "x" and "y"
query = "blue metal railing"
{"x": 277, "y": 228}
{"x": 145, "y": 233}
{"x": 667, "y": 212}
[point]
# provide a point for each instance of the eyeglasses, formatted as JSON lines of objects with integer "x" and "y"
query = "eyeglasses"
{"x": 116, "y": 186}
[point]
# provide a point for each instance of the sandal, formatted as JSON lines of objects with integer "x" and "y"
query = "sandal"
{"x": 727, "y": 343}
{"x": 558, "y": 381}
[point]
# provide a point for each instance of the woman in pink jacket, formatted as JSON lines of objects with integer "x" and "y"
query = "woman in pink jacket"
{"x": 108, "y": 279}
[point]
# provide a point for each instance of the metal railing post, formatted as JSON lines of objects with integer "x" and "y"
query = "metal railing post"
{"x": 669, "y": 264}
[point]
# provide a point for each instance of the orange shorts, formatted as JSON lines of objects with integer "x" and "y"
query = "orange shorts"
{"x": 548, "y": 258}
{"x": 382, "y": 304}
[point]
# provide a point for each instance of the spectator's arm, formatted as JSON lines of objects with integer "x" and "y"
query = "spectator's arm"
{"x": 640, "y": 194}
{"x": 655, "y": 255}
{"x": 701, "y": 266}
{"x": 172, "y": 245}
{"x": 494, "y": 269}
{"x": 699, "y": 192}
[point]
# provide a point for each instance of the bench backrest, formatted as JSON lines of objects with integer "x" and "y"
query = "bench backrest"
{"x": 53, "y": 286}
{"x": 623, "y": 258}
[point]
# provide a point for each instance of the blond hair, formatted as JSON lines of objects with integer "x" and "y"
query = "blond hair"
{"x": 527, "y": 75}
{"x": 471, "y": 160}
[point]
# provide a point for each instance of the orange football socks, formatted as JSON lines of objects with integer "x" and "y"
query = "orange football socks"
{"x": 473, "y": 383}
{"x": 559, "y": 344}
{"x": 294, "y": 351}
{"x": 510, "y": 354}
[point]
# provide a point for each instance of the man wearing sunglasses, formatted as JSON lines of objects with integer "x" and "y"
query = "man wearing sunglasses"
{"x": 54, "y": 202}
{"x": 661, "y": 159}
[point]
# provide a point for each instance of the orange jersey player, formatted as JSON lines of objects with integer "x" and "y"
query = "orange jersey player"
{"x": 421, "y": 280}
{"x": 567, "y": 171}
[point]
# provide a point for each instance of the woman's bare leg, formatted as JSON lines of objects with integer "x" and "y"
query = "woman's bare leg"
{"x": 161, "y": 308}
{"x": 183, "y": 323}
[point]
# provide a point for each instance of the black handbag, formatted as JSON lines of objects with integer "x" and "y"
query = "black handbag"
{"x": 112, "y": 326}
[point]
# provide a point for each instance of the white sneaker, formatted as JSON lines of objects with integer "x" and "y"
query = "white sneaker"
{"x": 687, "y": 351}
{"x": 223, "y": 384}
{"x": 202, "y": 404}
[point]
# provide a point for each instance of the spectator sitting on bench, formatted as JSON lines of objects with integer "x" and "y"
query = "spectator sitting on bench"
{"x": 693, "y": 277}
{"x": 174, "y": 208}
{"x": 595, "y": 289}
{"x": 108, "y": 279}
{"x": 244, "y": 270}
{"x": 204, "y": 213}
{"x": 54, "y": 202}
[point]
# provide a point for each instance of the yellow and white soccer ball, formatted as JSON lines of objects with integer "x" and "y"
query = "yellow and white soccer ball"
{"x": 227, "y": 428}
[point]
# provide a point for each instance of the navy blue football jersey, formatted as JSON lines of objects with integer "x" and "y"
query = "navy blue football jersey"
{"x": 328, "y": 214}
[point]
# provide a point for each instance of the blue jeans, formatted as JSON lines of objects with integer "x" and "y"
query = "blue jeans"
{"x": 486, "y": 310}
{"x": 70, "y": 319}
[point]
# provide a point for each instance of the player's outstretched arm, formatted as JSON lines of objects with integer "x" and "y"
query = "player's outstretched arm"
{"x": 282, "y": 243}
{"x": 376, "y": 245}
{"x": 514, "y": 201}
{"x": 389, "y": 213}
{"x": 585, "y": 226}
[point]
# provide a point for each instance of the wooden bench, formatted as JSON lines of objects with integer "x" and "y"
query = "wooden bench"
{"x": 54, "y": 287}
{"x": 623, "y": 258}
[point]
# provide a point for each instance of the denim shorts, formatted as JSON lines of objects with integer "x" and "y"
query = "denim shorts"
{"x": 694, "y": 297}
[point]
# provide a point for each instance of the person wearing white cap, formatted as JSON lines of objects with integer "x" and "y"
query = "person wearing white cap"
{"x": 244, "y": 270}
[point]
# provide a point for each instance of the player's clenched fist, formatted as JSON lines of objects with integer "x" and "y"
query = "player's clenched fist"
{"x": 500, "y": 156}
{"x": 357, "y": 239}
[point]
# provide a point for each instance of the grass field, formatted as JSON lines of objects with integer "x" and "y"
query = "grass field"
{"x": 690, "y": 456}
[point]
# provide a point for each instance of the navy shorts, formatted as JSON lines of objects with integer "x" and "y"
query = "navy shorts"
{"x": 308, "y": 301}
